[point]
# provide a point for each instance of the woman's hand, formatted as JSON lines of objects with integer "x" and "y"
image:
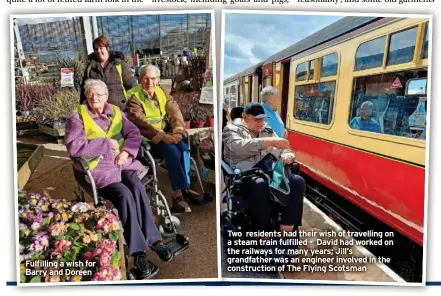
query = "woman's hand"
{"x": 115, "y": 144}
{"x": 122, "y": 158}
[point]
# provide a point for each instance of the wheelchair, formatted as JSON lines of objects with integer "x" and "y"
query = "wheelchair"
{"x": 195, "y": 178}
{"x": 237, "y": 217}
{"x": 169, "y": 224}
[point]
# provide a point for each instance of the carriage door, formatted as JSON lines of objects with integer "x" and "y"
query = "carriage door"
{"x": 285, "y": 90}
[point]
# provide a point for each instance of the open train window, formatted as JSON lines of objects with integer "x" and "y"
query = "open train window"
{"x": 425, "y": 51}
{"x": 402, "y": 47}
{"x": 392, "y": 103}
{"x": 311, "y": 70}
{"x": 329, "y": 65}
{"x": 302, "y": 71}
{"x": 370, "y": 54}
{"x": 314, "y": 102}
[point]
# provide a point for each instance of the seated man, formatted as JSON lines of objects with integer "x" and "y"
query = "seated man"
{"x": 270, "y": 102}
{"x": 101, "y": 134}
{"x": 245, "y": 144}
{"x": 148, "y": 108}
{"x": 364, "y": 122}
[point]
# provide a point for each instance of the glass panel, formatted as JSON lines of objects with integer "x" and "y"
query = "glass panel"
{"x": 425, "y": 51}
{"x": 329, "y": 65}
{"x": 314, "y": 102}
{"x": 381, "y": 104}
{"x": 301, "y": 71}
{"x": 402, "y": 47}
{"x": 311, "y": 70}
{"x": 370, "y": 54}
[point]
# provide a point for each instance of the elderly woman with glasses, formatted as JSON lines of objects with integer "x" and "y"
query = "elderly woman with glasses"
{"x": 161, "y": 124}
{"x": 101, "y": 134}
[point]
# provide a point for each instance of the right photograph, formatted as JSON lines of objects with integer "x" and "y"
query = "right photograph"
{"x": 323, "y": 146}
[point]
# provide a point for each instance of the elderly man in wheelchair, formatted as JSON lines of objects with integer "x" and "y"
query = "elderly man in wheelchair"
{"x": 160, "y": 121}
{"x": 103, "y": 144}
{"x": 254, "y": 159}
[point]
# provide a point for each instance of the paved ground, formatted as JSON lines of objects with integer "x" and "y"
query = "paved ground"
{"x": 54, "y": 177}
{"x": 315, "y": 220}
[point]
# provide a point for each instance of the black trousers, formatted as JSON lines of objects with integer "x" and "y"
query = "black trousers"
{"x": 262, "y": 207}
{"x": 130, "y": 198}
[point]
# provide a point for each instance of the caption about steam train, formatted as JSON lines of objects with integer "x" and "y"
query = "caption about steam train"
{"x": 313, "y": 251}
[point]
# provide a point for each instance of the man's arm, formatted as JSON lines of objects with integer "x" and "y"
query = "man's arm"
{"x": 175, "y": 116}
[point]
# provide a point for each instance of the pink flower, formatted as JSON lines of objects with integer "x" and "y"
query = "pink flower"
{"x": 106, "y": 244}
{"x": 88, "y": 256}
{"x": 105, "y": 260}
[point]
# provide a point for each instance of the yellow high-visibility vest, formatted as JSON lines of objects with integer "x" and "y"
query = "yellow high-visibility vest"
{"x": 153, "y": 115}
{"x": 94, "y": 131}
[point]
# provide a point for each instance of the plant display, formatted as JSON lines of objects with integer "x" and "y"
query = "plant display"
{"x": 63, "y": 241}
{"x": 27, "y": 96}
{"x": 58, "y": 107}
{"x": 201, "y": 112}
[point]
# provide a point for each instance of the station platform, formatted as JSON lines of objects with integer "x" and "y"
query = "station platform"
{"x": 316, "y": 222}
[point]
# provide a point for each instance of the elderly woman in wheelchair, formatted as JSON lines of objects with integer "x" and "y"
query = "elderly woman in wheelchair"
{"x": 253, "y": 154}
{"x": 99, "y": 134}
{"x": 162, "y": 126}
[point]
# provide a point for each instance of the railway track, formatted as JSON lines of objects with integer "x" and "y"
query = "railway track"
{"x": 406, "y": 256}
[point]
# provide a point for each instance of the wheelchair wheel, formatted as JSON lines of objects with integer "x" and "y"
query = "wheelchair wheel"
{"x": 166, "y": 226}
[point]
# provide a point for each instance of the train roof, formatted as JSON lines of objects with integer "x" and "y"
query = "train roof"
{"x": 334, "y": 30}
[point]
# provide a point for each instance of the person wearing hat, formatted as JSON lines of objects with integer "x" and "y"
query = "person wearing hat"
{"x": 245, "y": 144}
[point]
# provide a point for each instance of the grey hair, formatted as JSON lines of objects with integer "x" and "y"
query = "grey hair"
{"x": 95, "y": 82}
{"x": 367, "y": 104}
{"x": 146, "y": 68}
{"x": 268, "y": 92}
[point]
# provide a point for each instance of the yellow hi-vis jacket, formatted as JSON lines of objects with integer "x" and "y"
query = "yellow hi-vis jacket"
{"x": 94, "y": 131}
{"x": 153, "y": 115}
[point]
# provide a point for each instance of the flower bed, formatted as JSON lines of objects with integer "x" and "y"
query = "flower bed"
{"x": 63, "y": 241}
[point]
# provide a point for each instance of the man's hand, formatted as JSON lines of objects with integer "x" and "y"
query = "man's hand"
{"x": 177, "y": 137}
{"x": 122, "y": 158}
{"x": 280, "y": 143}
{"x": 169, "y": 139}
{"x": 288, "y": 159}
{"x": 115, "y": 144}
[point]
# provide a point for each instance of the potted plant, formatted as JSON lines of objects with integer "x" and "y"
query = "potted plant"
{"x": 199, "y": 116}
{"x": 210, "y": 116}
{"x": 56, "y": 109}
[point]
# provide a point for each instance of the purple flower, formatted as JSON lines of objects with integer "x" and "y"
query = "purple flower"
{"x": 35, "y": 226}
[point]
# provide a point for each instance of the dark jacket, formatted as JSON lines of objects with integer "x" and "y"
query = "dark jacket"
{"x": 110, "y": 76}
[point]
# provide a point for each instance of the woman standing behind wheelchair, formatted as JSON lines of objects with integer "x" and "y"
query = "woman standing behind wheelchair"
{"x": 101, "y": 134}
{"x": 161, "y": 124}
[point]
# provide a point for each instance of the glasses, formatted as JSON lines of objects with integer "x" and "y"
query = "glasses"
{"x": 99, "y": 96}
{"x": 150, "y": 78}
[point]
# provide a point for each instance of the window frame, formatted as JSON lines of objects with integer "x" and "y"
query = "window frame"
{"x": 317, "y": 80}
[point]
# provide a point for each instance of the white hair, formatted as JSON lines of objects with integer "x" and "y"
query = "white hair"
{"x": 268, "y": 91}
{"x": 367, "y": 104}
{"x": 89, "y": 83}
{"x": 146, "y": 68}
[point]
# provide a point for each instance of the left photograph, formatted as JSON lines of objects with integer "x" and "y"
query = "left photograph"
{"x": 115, "y": 152}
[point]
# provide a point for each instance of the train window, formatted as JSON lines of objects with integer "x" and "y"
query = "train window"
{"x": 314, "y": 102}
{"x": 370, "y": 54}
{"x": 329, "y": 65}
{"x": 301, "y": 71}
{"x": 393, "y": 104}
{"x": 425, "y": 51}
{"x": 311, "y": 70}
{"x": 402, "y": 47}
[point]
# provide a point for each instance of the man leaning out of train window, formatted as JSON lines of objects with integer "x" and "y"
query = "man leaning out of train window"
{"x": 365, "y": 122}
{"x": 270, "y": 102}
{"x": 244, "y": 145}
